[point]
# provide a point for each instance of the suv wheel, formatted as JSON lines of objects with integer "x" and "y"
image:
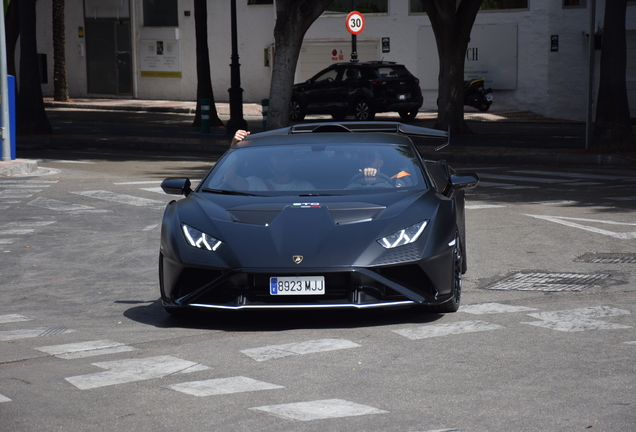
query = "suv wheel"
{"x": 296, "y": 111}
{"x": 363, "y": 111}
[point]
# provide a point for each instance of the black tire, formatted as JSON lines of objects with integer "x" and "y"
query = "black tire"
{"x": 408, "y": 115}
{"x": 484, "y": 105}
{"x": 452, "y": 305}
{"x": 363, "y": 111}
{"x": 296, "y": 111}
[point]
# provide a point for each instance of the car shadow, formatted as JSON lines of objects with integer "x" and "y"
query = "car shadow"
{"x": 153, "y": 314}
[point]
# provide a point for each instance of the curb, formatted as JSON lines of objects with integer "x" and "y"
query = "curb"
{"x": 17, "y": 166}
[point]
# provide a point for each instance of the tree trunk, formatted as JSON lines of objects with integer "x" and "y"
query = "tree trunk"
{"x": 12, "y": 30}
{"x": 452, "y": 26}
{"x": 30, "y": 115}
{"x": 612, "y": 130}
{"x": 293, "y": 18}
{"x": 204, "y": 79}
{"x": 60, "y": 86}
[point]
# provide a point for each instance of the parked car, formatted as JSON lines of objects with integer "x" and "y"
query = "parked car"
{"x": 358, "y": 89}
{"x": 318, "y": 216}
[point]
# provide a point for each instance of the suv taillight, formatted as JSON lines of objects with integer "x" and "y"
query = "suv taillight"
{"x": 379, "y": 83}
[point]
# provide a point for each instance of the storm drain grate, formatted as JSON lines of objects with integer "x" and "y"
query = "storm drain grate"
{"x": 550, "y": 282}
{"x": 608, "y": 258}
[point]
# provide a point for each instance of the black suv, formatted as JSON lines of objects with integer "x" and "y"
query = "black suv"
{"x": 359, "y": 89}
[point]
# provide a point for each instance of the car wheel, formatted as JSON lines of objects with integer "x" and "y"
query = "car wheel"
{"x": 296, "y": 111}
{"x": 408, "y": 115}
{"x": 363, "y": 111}
{"x": 452, "y": 305}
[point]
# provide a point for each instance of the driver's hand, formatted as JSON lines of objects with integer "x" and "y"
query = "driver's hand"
{"x": 369, "y": 173}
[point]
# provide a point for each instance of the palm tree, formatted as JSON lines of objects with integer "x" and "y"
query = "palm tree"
{"x": 60, "y": 86}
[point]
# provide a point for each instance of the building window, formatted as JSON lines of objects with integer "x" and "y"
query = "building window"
{"x": 256, "y": 2}
{"x": 362, "y": 6}
{"x": 574, "y": 4}
{"x": 161, "y": 13}
{"x": 417, "y": 6}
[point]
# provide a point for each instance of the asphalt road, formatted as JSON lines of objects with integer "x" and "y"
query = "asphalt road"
{"x": 545, "y": 339}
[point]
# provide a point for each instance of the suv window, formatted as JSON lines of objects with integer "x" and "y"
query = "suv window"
{"x": 328, "y": 75}
{"x": 392, "y": 71}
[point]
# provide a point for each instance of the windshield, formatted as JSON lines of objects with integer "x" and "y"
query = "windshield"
{"x": 314, "y": 169}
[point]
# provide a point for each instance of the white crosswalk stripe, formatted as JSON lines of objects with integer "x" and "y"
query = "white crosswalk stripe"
{"x": 60, "y": 206}
{"x": 319, "y": 409}
{"x": 85, "y": 349}
{"x": 435, "y": 330}
{"x": 9, "y": 335}
{"x": 220, "y": 386}
{"x": 119, "y": 198}
{"x": 4, "y": 399}
{"x": 11, "y": 318}
{"x": 493, "y": 308}
{"x": 298, "y": 348}
{"x": 575, "y": 320}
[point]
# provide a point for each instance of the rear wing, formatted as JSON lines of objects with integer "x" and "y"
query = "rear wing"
{"x": 361, "y": 127}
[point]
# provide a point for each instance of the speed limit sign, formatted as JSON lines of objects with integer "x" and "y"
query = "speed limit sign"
{"x": 355, "y": 23}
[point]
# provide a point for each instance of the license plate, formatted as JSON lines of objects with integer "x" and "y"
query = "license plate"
{"x": 297, "y": 285}
{"x": 489, "y": 97}
{"x": 404, "y": 96}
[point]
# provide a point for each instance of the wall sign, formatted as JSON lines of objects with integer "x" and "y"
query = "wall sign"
{"x": 160, "y": 58}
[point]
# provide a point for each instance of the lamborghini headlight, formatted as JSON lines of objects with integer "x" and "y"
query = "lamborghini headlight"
{"x": 200, "y": 239}
{"x": 403, "y": 237}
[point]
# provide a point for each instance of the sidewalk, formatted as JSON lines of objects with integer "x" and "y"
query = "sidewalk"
{"x": 501, "y": 137}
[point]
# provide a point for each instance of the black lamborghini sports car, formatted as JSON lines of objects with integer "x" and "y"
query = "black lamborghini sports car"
{"x": 329, "y": 215}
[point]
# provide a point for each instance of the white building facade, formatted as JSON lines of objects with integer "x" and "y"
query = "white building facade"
{"x": 533, "y": 53}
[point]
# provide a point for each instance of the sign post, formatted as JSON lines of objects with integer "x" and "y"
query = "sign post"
{"x": 355, "y": 25}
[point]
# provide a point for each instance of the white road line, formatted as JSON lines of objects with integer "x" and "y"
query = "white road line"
{"x": 4, "y": 399}
{"x": 577, "y": 175}
{"x": 298, "y": 348}
{"x": 138, "y": 182}
{"x": 493, "y": 308}
{"x": 9, "y": 335}
{"x": 483, "y": 206}
{"x": 85, "y": 349}
{"x": 66, "y": 161}
{"x": 154, "y": 189}
{"x": 522, "y": 178}
{"x": 11, "y": 318}
{"x": 221, "y": 386}
{"x": 126, "y": 371}
{"x": 119, "y": 198}
{"x": 319, "y": 409}
{"x": 16, "y": 194}
{"x": 630, "y": 343}
{"x": 566, "y": 221}
{"x": 55, "y": 205}
{"x": 24, "y": 187}
{"x": 555, "y": 202}
{"x": 435, "y": 330}
{"x": 24, "y": 224}
{"x": 630, "y": 198}
{"x": 582, "y": 319}
{"x": 151, "y": 227}
{"x": 7, "y": 241}
{"x": 39, "y": 183}
{"x": 16, "y": 231}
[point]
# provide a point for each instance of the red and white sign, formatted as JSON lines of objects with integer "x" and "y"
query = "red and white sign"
{"x": 355, "y": 23}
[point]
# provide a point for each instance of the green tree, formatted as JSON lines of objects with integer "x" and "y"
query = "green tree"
{"x": 612, "y": 130}
{"x": 452, "y": 22}
{"x": 204, "y": 79}
{"x": 30, "y": 115}
{"x": 293, "y": 18}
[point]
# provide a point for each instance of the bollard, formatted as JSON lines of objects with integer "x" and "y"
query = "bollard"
{"x": 265, "y": 103}
{"x": 205, "y": 115}
{"x": 11, "y": 86}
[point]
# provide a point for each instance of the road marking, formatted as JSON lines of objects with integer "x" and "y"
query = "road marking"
{"x": 504, "y": 185}
{"x": 11, "y": 318}
{"x": 298, "y": 348}
{"x": 16, "y": 231}
{"x": 16, "y": 194}
{"x": 119, "y": 198}
{"x": 548, "y": 282}
{"x": 66, "y": 161}
{"x": 55, "y": 205}
{"x": 9, "y": 335}
{"x": 493, "y": 308}
{"x": 4, "y": 399}
{"x": 39, "y": 183}
{"x": 555, "y": 202}
{"x": 85, "y": 349}
{"x": 151, "y": 227}
{"x": 221, "y": 386}
{"x": 138, "y": 182}
{"x": 522, "y": 179}
{"x": 566, "y": 221}
{"x": 319, "y": 409}
{"x": 631, "y": 198}
{"x": 24, "y": 224}
{"x": 582, "y": 319}
{"x": 631, "y": 343}
{"x": 126, "y": 371}
{"x": 435, "y": 330}
{"x": 7, "y": 241}
{"x": 154, "y": 189}
{"x": 483, "y": 206}
{"x": 577, "y": 175}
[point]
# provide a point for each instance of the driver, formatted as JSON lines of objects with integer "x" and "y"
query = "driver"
{"x": 369, "y": 173}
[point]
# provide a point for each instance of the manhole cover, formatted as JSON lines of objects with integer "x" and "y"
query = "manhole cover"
{"x": 608, "y": 258}
{"x": 551, "y": 282}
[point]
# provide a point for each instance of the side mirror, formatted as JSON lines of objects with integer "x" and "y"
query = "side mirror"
{"x": 463, "y": 181}
{"x": 176, "y": 186}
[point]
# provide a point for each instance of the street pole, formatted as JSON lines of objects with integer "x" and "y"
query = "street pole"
{"x": 236, "y": 121}
{"x": 354, "y": 39}
{"x": 5, "y": 130}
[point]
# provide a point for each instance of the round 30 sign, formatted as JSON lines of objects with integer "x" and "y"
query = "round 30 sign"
{"x": 355, "y": 23}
